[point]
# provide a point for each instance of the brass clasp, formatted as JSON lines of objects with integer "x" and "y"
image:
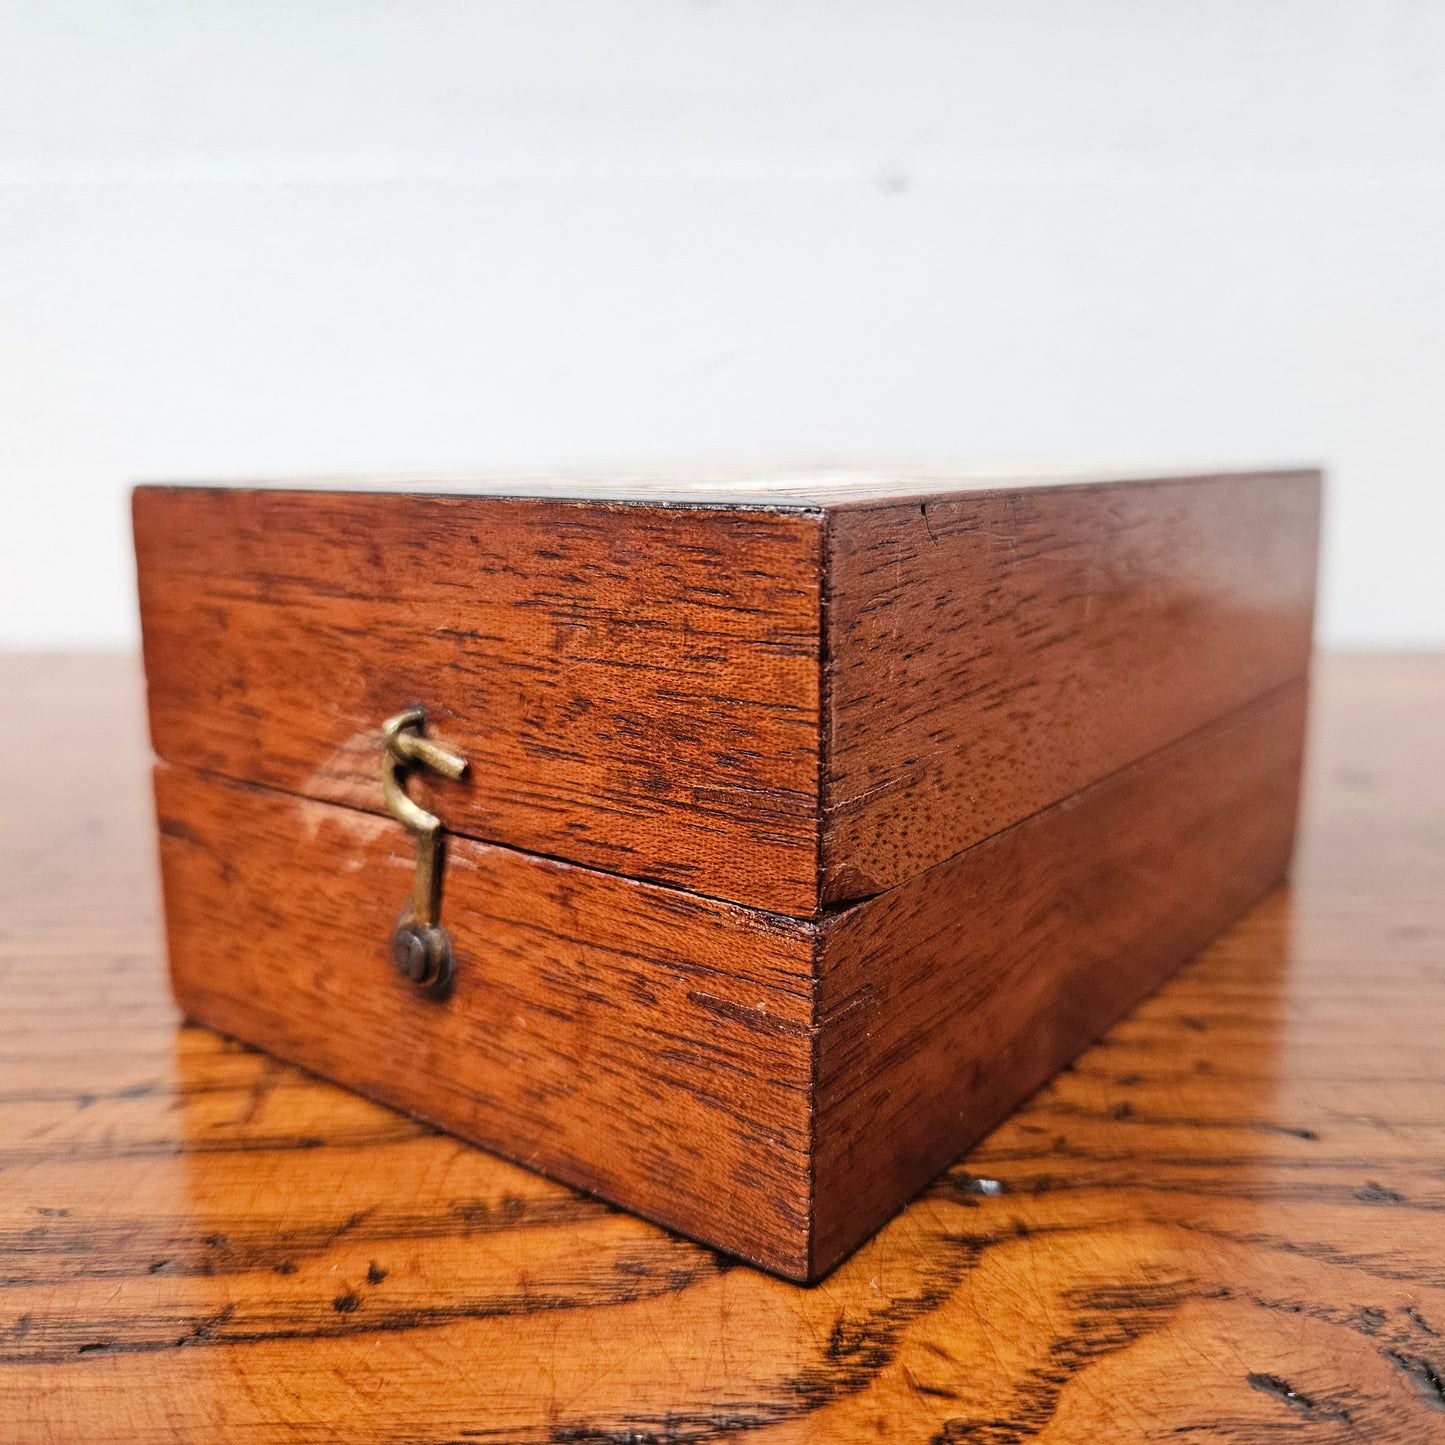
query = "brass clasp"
{"x": 419, "y": 946}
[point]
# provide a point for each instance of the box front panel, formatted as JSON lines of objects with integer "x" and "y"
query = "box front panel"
{"x": 621, "y": 1037}
{"x": 634, "y": 688}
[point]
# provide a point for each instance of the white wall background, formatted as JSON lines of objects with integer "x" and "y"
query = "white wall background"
{"x": 271, "y": 236}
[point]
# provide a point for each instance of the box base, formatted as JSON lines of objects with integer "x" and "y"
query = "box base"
{"x": 774, "y": 1087}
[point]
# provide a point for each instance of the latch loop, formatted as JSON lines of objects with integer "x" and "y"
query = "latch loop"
{"x": 420, "y": 946}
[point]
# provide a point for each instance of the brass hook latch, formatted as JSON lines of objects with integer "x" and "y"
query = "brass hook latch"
{"x": 419, "y": 945}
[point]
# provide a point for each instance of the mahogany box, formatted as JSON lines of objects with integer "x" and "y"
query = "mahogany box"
{"x": 738, "y": 851}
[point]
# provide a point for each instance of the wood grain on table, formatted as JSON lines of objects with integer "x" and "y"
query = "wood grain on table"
{"x": 1227, "y": 1221}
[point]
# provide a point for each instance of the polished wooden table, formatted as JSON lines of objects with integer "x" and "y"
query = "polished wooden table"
{"x": 1226, "y": 1222}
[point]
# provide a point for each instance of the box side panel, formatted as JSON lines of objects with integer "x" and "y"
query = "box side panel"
{"x": 623, "y": 1038}
{"x": 635, "y": 688}
{"x": 947, "y": 1001}
{"x": 988, "y": 655}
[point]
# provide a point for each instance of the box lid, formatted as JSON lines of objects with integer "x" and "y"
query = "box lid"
{"x": 786, "y": 690}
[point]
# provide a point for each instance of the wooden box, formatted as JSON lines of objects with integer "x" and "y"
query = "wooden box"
{"x": 808, "y": 824}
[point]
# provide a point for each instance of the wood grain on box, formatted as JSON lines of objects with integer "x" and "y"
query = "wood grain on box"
{"x": 784, "y": 703}
{"x": 944, "y": 1002}
{"x": 778, "y": 1087}
{"x": 635, "y": 688}
{"x": 627, "y": 1038}
{"x": 990, "y": 653}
